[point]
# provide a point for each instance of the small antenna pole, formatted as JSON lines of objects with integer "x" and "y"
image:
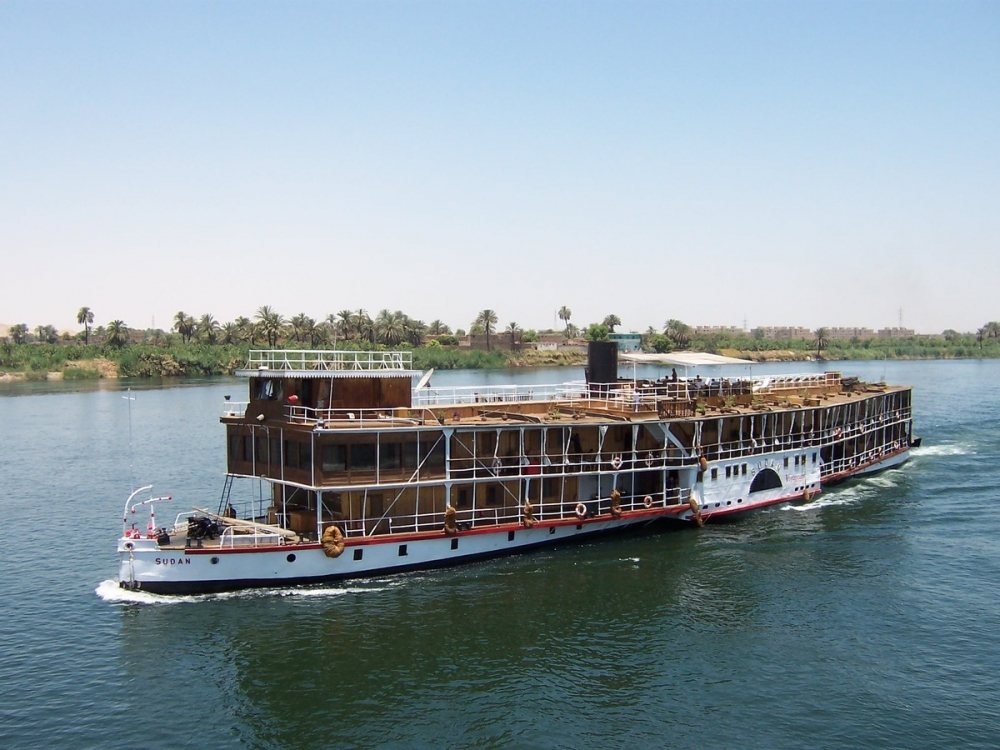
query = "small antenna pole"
{"x": 131, "y": 468}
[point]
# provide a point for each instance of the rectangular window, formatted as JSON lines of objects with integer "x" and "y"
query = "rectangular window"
{"x": 363, "y": 457}
{"x": 390, "y": 455}
{"x": 358, "y": 554}
{"x": 247, "y": 448}
{"x": 291, "y": 454}
{"x": 432, "y": 452}
{"x": 715, "y": 473}
{"x": 744, "y": 469}
{"x": 334, "y": 457}
{"x": 786, "y": 461}
{"x": 402, "y": 550}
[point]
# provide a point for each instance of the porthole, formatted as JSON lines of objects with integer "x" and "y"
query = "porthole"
{"x": 214, "y": 561}
{"x": 291, "y": 557}
{"x": 552, "y": 529}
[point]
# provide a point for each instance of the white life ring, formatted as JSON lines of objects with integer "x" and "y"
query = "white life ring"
{"x": 581, "y": 510}
{"x": 616, "y": 462}
{"x": 647, "y": 501}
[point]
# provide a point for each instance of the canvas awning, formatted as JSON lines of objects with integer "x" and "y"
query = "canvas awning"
{"x": 683, "y": 359}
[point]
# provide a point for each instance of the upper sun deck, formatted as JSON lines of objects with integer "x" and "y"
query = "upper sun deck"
{"x": 319, "y": 363}
{"x": 284, "y": 388}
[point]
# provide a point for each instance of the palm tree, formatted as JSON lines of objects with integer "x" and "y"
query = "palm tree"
{"x": 85, "y": 317}
{"x": 184, "y": 325}
{"x": 564, "y": 315}
{"x": 980, "y": 335}
{"x": 821, "y": 336}
{"x": 364, "y": 326}
{"x": 270, "y": 324}
{"x": 230, "y": 333}
{"x": 486, "y": 319}
{"x": 390, "y": 327}
{"x": 345, "y": 323}
{"x": 437, "y": 328}
{"x": 246, "y": 331}
{"x": 117, "y": 334}
{"x": 992, "y": 329}
{"x": 514, "y": 331}
{"x": 413, "y": 330}
{"x": 208, "y": 328}
{"x": 678, "y": 332}
{"x": 19, "y": 333}
{"x": 611, "y": 321}
{"x": 299, "y": 325}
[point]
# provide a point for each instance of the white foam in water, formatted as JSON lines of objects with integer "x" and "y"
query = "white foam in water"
{"x": 829, "y": 499}
{"x": 110, "y": 591}
{"x": 942, "y": 450}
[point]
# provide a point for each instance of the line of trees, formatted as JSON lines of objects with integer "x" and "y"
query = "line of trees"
{"x": 395, "y": 328}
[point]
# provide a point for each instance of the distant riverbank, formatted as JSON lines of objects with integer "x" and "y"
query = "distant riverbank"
{"x": 28, "y": 362}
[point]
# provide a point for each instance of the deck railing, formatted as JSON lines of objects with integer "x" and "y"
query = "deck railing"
{"x": 318, "y": 359}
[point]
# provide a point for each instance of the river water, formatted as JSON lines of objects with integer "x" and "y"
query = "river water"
{"x": 869, "y": 618}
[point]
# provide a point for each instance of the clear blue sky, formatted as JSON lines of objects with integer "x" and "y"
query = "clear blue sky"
{"x": 804, "y": 163}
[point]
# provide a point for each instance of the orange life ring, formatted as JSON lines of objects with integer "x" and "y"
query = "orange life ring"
{"x": 616, "y": 503}
{"x": 581, "y": 510}
{"x": 527, "y": 514}
{"x": 648, "y": 501}
{"x": 333, "y": 541}
{"x": 450, "y": 527}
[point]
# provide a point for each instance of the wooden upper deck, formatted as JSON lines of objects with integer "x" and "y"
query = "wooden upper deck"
{"x": 374, "y": 390}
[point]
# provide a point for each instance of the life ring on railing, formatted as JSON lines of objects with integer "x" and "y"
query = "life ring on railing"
{"x": 647, "y": 501}
{"x": 527, "y": 514}
{"x": 695, "y": 508}
{"x": 581, "y": 510}
{"x": 333, "y": 541}
{"x": 616, "y": 462}
{"x": 703, "y": 463}
{"x": 450, "y": 527}
{"x": 649, "y": 458}
{"x": 616, "y": 503}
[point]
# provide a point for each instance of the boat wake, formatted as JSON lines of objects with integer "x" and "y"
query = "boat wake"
{"x": 942, "y": 450}
{"x": 110, "y": 591}
{"x": 826, "y": 499}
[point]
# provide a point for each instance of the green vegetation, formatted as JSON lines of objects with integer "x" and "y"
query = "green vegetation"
{"x": 203, "y": 346}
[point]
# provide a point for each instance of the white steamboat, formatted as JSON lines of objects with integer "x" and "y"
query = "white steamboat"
{"x": 358, "y": 472}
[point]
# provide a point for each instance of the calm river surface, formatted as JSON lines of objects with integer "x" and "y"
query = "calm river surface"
{"x": 867, "y": 619}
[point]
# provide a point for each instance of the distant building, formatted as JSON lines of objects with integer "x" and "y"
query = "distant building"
{"x": 895, "y": 333}
{"x": 846, "y": 333}
{"x": 719, "y": 331}
{"x": 782, "y": 332}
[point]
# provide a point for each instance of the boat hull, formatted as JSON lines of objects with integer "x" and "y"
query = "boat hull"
{"x": 145, "y": 566}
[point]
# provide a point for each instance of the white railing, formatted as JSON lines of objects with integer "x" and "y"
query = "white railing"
{"x": 318, "y": 359}
{"x": 235, "y": 408}
{"x": 496, "y": 394}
